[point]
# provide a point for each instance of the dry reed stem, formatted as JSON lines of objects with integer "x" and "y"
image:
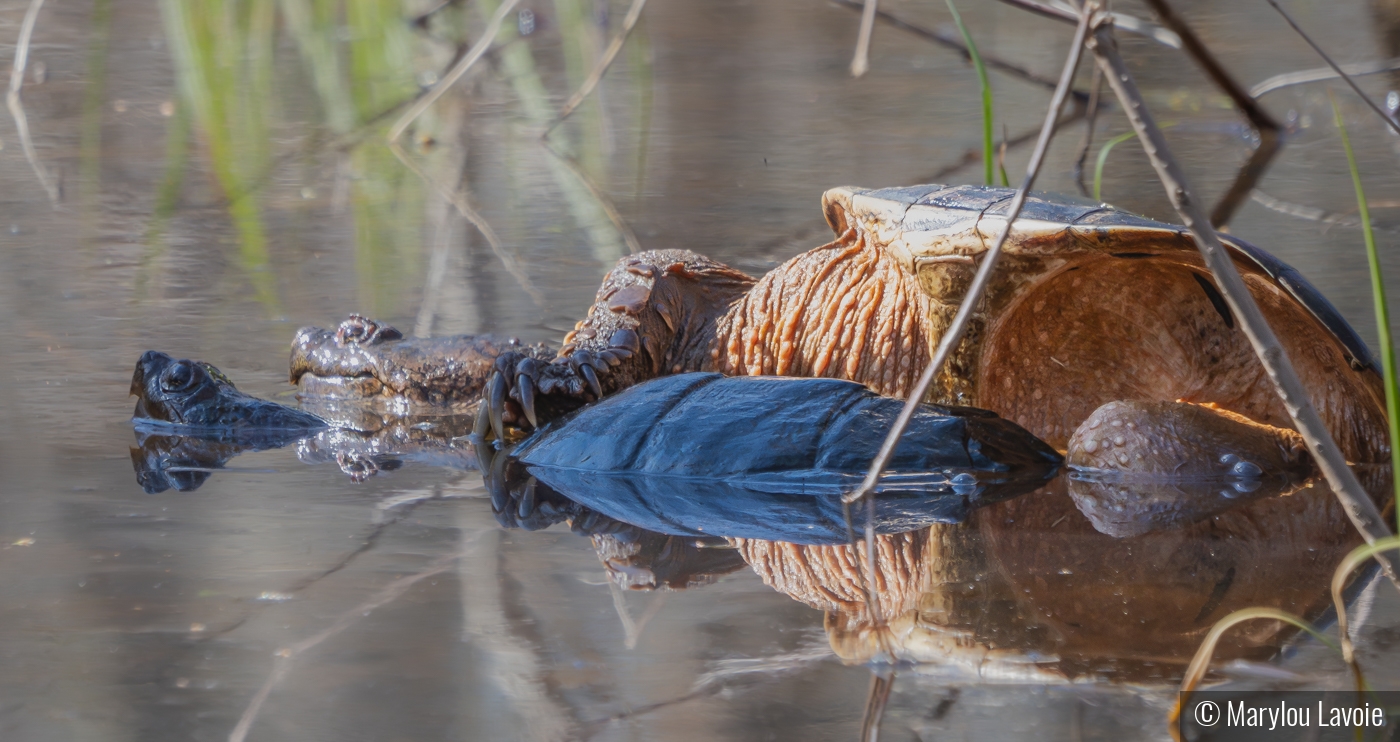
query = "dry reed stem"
{"x": 601, "y": 68}
{"x": 1200, "y": 663}
{"x": 1339, "y": 582}
{"x": 1353, "y": 497}
{"x": 12, "y": 101}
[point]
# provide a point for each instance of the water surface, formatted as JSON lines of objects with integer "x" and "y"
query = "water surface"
{"x": 215, "y": 234}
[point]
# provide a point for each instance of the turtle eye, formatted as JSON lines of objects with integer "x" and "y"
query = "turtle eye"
{"x": 180, "y": 376}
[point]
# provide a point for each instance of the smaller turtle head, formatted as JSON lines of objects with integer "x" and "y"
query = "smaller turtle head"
{"x": 167, "y": 388}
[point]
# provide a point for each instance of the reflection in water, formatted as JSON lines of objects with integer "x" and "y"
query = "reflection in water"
{"x": 1030, "y": 590}
{"x": 1080, "y": 579}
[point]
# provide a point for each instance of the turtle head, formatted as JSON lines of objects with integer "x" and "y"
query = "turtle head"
{"x": 166, "y": 388}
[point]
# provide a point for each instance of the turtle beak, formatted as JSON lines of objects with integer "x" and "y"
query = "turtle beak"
{"x": 151, "y": 364}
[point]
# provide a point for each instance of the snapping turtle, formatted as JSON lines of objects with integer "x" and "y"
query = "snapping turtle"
{"x": 1090, "y": 305}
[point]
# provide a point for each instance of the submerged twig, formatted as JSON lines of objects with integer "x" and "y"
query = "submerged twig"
{"x": 287, "y": 655}
{"x": 458, "y": 199}
{"x": 455, "y": 196}
{"x": 1316, "y": 214}
{"x": 614, "y": 216}
{"x": 1335, "y": 67}
{"x": 1318, "y": 74}
{"x": 1264, "y": 124}
{"x": 12, "y": 101}
{"x": 601, "y": 68}
{"x": 488, "y": 36}
{"x": 972, "y": 156}
{"x": 1329, "y": 458}
{"x": 875, "y": 701}
{"x": 955, "y": 330}
{"x": 861, "y": 61}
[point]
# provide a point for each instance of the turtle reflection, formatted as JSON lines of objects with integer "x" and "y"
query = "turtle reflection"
{"x": 1037, "y": 589}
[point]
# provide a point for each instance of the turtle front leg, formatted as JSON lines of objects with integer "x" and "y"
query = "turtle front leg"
{"x": 654, "y": 314}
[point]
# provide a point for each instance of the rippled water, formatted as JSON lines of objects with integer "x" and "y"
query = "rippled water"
{"x": 398, "y": 607}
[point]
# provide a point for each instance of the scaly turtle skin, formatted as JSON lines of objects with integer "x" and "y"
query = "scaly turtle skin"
{"x": 365, "y": 360}
{"x": 1089, "y": 305}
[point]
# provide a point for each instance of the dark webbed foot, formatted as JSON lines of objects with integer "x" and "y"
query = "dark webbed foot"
{"x": 526, "y": 390}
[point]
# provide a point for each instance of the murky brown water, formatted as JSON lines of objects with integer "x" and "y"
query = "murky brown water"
{"x": 406, "y": 610}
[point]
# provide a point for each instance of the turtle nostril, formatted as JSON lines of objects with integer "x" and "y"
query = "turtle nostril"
{"x": 178, "y": 377}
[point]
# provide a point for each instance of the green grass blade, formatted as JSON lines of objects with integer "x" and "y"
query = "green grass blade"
{"x": 1103, "y": 157}
{"x": 988, "y": 155}
{"x": 1392, "y": 397}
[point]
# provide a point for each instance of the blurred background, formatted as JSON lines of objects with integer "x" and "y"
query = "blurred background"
{"x": 202, "y": 177}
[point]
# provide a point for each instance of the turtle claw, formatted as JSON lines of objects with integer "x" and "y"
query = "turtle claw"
{"x": 592, "y": 378}
{"x": 483, "y": 420}
{"x": 525, "y": 386}
{"x": 496, "y": 401}
{"x": 527, "y": 500}
{"x": 525, "y": 391}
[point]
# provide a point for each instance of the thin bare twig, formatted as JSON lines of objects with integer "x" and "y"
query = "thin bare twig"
{"x": 954, "y": 333}
{"x": 954, "y": 42}
{"x": 1063, "y": 12}
{"x": 12, "y": 101}
{"x": 601, "y": 68}
{"x": 1353, "y": 497}
{"x": 1268, "y": 129}
{"x": 861, "y": 61}
{"x": 1335, "y": 67}
{"x": 1318, "y": 74}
